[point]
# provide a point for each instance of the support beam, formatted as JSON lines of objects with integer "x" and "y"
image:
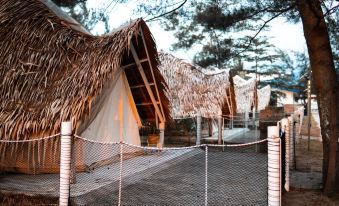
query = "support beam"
{"x": 140, "y": 86}
{"x": 246, "y": 119}
{"x": 220, "y": 128}
{"x": 151, "y": 68}
{"x": 144, "y": 78}
{"x": 162, "y": 134}
{"x": 127, "y": 66}
{"x": 146, "y": 103}
{"x": 198, "y": 140}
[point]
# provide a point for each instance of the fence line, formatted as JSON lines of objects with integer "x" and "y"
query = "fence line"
{"x": 174, "y": 148}
{"x": 289, "y": 129}
{"x": 30, "y": 140}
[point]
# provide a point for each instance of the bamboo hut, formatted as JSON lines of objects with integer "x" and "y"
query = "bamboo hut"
{"x": 52, "y": 70}
{"x": 191, "y": 91}
{"x": 249, "y": 96}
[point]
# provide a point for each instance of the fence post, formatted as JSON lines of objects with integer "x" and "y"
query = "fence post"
{"x": 162, "y": 133}
{"x": 65, "y": 162}
{"x": 220, "y": 128}
{"x": 273, "y": 149}
{"x": 290, "y": 121}
{"x": 286, "y": 129}
{"x": 294, "y": 128}
{"x": 120, "y": 172}
{"x": 206, "y": 175}
{"x": 246, "y": 119}
{"x": 198, "y": 140}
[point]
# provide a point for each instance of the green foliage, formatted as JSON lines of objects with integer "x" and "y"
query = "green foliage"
{"x": 261, "y": 53}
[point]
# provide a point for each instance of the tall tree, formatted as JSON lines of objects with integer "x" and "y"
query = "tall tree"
{"x": 261, "y": 54}
{"x": 324, "y": 76}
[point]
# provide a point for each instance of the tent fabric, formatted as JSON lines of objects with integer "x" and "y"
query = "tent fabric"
{"x": 191, "y": 91}
{"x": 244, "y": 93}
{"x": 264, "y": 96}
{"x": 116, "y": 121}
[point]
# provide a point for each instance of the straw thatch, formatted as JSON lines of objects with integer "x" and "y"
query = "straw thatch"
{"x": 244, "y": 93}
{"x": 264, "y": 97}
{"x": 51, "y": 70}
{"x": 247, "y": 96}
{"x": 190, "y": 90}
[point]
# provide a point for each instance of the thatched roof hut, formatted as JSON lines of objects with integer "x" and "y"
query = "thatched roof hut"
{"x": 248, "y": 95}
{"x": 191, "y": 91}
{"x": 52, "y": 70}
{"x": 244, "y": 93}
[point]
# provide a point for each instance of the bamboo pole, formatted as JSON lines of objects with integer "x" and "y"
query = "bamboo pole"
{"x": 65, "y": 162}
{"x": 274, "y": 179}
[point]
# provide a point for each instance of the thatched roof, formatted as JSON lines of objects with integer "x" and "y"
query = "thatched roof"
{"x": 51, "y": 70}
{"x": 244, "y": 93}
{"x": 247, "y": 94}
{"x": 192, "y": 91}
{"x": 264, "y": 97}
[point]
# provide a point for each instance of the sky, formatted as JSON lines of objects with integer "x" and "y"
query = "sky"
{"x": 283, "y": 35}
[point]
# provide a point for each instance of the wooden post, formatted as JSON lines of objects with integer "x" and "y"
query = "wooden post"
{"x": 273, "y": 148}
{"x": 294, "y": 133}
{"x": 246, "y": 119}
{"x": 162, "y": 134}
{"x": 291, "y": 139}
{"x": 73, "y": 162}
{"x": 198, "y": 141}
{"x": 210, "y": 127}
{"x": 286, "y": 129}
{"x": 309, "y": 113}
{"x": 220, "y": 128}
{"x": 65, "y": 162}
{"x": 253, "y": 117}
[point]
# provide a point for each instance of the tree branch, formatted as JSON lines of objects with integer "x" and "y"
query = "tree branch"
{"x": 331, "y": 10}
{"x": 166, "y": 13}
{"x": 263, "y": 26}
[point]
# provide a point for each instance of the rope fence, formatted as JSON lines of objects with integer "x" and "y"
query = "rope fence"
{"x": 119, "y": 173}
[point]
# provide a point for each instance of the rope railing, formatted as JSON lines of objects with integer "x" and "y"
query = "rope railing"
{"x": 174, "y": 148}
{"x": 29, "y": 140}
{"x": 123, "y": 150}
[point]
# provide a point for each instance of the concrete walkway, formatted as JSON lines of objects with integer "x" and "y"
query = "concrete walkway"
{"x": 235, "y": 135}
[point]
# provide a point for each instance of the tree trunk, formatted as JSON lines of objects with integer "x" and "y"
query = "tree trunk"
{"x": 337, "y": 165}
{"x": 324, "y": 76}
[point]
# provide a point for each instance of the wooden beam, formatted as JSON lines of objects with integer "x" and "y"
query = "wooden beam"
{"x": 151, "y": 68}
{"x": 145, "y": 103}
{"x": 133, "y": 64}
{"x": 142, "y": 85}
{"x": 144, "y": 78}
{"x": 231, "y": 102}
{"x": 228, "y": 103}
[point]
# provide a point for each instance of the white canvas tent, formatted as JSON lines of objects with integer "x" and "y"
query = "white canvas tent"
{"x": 107, "y": 86}
{"x": 118, "y": 119}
